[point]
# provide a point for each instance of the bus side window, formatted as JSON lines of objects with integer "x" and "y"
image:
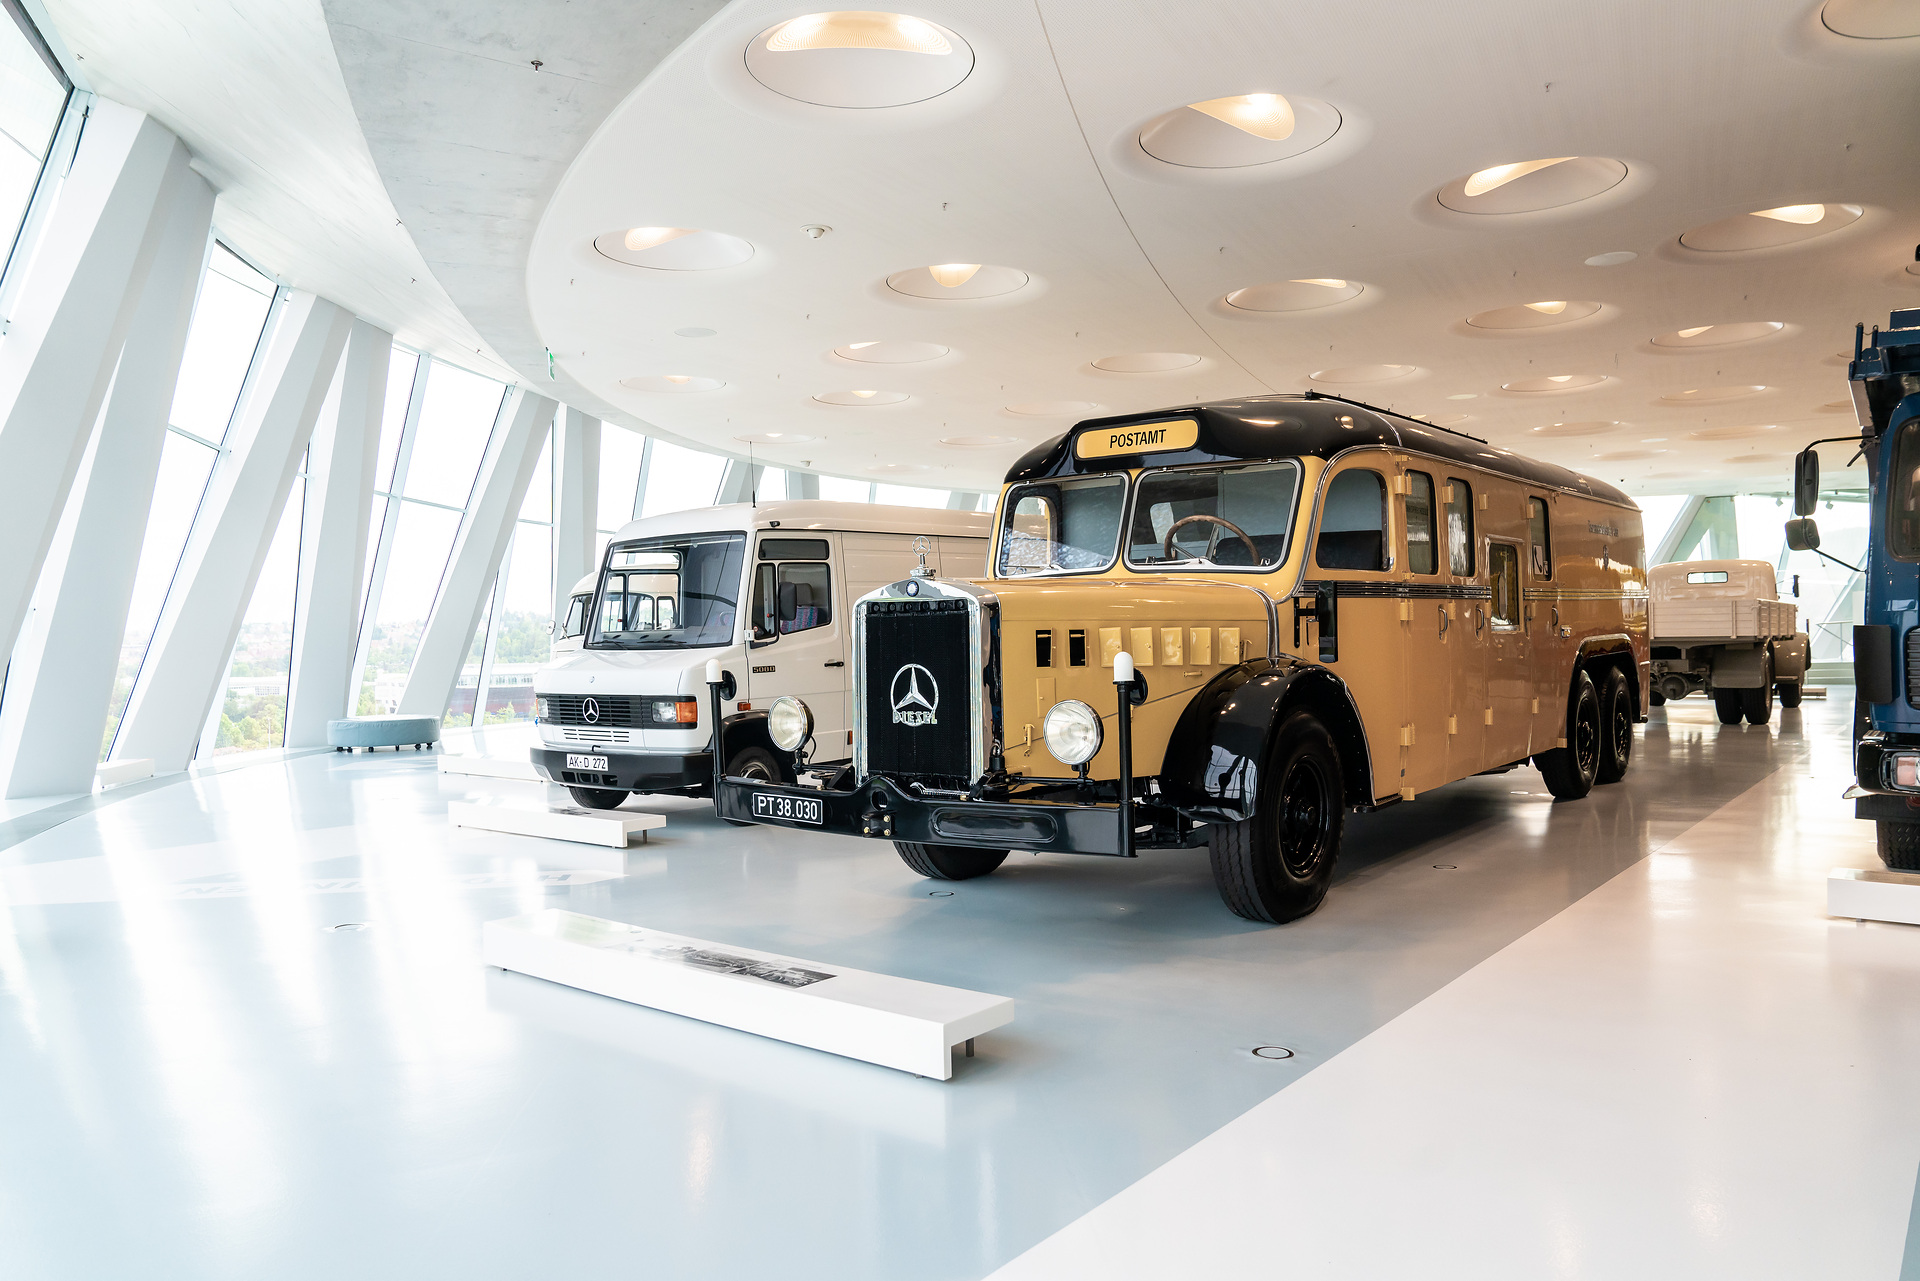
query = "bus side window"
{"x": 1542, "y": 541}
{"x": 1459, "y": 527}
{"x": 1421, "y": 558}
{"x": 1503, "y": 567}
{"x": 1353, "y": 523}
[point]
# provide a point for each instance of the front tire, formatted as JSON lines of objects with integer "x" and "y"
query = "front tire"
{"x": 1276, "y": 866}
{"x": 1757, "y": 704}
{"x": 949, "y": 862}
{"x": 755, "y": 763}
{"x": 1569, "y": 771}
{"x": 597, "y": 798}
{"x": 1899, "y": 844}
{"x": 1727, "y": 705}
{"x": 1616, "y": 723}
{"x": 1788, "y": 693}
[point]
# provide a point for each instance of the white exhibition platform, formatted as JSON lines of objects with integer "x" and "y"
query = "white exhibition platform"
{"x": 520, "y": 770}
{"x": 895, "y": 1022}
{"x": 1874, "y": 894}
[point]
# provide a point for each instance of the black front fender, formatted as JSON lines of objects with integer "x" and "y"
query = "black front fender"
{"x": 1225, "y": 735}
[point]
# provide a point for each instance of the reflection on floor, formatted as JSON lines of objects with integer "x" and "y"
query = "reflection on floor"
{"x": 205, "y": 1079}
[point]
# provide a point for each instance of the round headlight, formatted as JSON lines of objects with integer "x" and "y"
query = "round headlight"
{"x": 789, "y": 723}
{"x": 1072, "y": 731}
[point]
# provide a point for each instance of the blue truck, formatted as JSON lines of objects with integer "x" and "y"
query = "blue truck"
{"x": 1885, "y": 379}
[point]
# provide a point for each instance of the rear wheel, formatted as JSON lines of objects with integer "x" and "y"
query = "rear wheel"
{"x": 755, "y": 763}
{"x": 597, "y": 798}
{"x": 1569, "y": 771}
{"x": 1899, "y": 845}
{"x": 1277, "y": 865}
{"x": 1727, "y": 704}
{"x": 1616, "y": 726}
{"x": 949, "y": 862}
{"x": 1757, "y": 704}
{"x": 1788, "y": 693}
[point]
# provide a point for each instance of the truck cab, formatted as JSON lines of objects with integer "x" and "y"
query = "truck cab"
{"x": 570, "y": 632}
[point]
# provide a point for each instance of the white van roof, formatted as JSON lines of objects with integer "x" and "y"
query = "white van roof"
{"x": 586, "y": 586}
{"x": 813, "y": 514}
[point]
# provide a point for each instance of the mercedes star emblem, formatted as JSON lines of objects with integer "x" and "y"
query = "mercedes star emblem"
{"x": 590, "y": 711}
{"x": 913, "y": 705}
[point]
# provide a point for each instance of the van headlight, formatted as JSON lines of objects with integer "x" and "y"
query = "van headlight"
{"x": 540, "y": 711}
{"x": 1072, "y": 731}
{"x": 789, "y": 723}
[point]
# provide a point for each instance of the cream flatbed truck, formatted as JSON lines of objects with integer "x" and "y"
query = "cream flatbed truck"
{"x": 1719, "y": 626}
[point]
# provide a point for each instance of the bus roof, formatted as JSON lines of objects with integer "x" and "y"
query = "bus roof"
{"x": 1281, "y": 426}
{"x": 801, "y": 515}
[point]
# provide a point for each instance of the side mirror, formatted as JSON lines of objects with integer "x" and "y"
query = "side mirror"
{"x": 1806, "y": 482}
{"x": 1802, "y": 536}
{"x": 1796, "y": 587}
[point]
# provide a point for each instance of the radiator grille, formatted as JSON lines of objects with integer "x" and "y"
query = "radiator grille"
{"x": 594, "y": 734}
{"x": 571, "y": 709}
{"x": 1913, "y": 667}
{"x": 917, "y": 690}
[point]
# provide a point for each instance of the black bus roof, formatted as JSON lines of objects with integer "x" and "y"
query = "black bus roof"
{"x": 1282, "y": 426}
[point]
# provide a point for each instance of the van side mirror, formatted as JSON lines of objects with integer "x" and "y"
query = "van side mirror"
{"x": 1796, "y": 587}
{"x": 1803, "y": 536}
{"x": 1806, "y": 482}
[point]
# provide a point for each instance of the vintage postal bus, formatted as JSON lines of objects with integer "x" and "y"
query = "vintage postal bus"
{"x": 1228, "y": 625}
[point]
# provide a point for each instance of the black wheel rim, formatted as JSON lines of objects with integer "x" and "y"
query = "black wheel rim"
{"x": 1304, "y": 815}
{"x": 1586, "y": 739}
{"x": 1622, "y": 730}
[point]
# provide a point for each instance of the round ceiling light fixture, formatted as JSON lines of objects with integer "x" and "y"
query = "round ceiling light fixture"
{"x": 1294, "y": 295}
{"x": 891, "y": 353}
{"x": 1613, "y": 259}
{"x": 865, "y": 396}
{"x": 1057, "y": 409}
{"x": 1239, "y": 132}
{"x": 1767, "y": 228}
{"x": 1526, "y": 186}
{"x": 957, "y": 281}
{"x": 1713, "y": 395}
{"x": 1362, "y": 373}
{"x": 671, "y": 384}
{"x": 1871, "y": 19}
{"x": 1731, "y": 433}
{"x": 1147, "y": 362}
{"x": 1629, "y": 455}
{"x": 774, "y": 438}
{"x": 694, "y": 331}
{"x": 1554, "y": 382}
{"x": 859, "y": 59}
{"x": 1576, "y": 429}
{"x": 979, "y": 442}
{"x": 673, "y": 248}
{"x": 1533, "y": 315}
{"x": 1720, "y": 335}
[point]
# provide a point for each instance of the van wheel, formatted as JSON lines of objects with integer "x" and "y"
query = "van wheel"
{"x": 755, "y": 763}
{"x": 1616, "y": 721}
{"x": 1277, "y": 865}
{"x": 1727, "y": 705}
{"x": 1570, "y": 770}
{"x": 949, "y": 862}
{"x": 1899, "y": 844}
{"x": 1757, "y": 704}
{"x": 597, "y": 798}
{"x": 1788, "y": 693}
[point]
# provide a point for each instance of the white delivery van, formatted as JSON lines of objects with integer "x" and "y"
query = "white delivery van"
{"x": 571, "y": 630}
{"x": 767, "y": 590}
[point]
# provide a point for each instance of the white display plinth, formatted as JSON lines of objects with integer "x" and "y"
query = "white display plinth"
{"x": 590, "y": 827}
{"x": 114, "y": 773}
{"x": 1873, "y": 894}
{"x": 489, "y": 767}
{"x": 895, "y": 1022}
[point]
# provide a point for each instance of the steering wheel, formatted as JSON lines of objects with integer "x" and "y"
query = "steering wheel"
{"x": 1166, "y": 544}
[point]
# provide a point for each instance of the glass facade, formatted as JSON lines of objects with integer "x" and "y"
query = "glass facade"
{"x": 33, "y": 96}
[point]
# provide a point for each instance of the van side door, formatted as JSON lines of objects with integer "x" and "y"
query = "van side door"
{"x": 800, "y": 631}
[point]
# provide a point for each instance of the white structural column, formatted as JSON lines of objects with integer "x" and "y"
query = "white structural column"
{"x": 333, "y": 537}
{"x": 576, "y": 504}
{"x": 244, "y": 501}
{"x": 478, "y": 549}
{"x": 737, "y": 482}
{"x": 65, "y": 335}
{"x": 64, "y": 665}
{"x": 802, "y": 484}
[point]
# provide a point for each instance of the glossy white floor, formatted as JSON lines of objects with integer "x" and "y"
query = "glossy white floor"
{"x": 1612, "y": 1038}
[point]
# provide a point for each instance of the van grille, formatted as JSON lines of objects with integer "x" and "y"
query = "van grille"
{"x": 571, "y": 709}
{"x": 917, "y": 690}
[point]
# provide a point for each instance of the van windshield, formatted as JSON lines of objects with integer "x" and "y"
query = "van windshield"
{"x": 670, "y": 593}
{"x": 1065, "y": 526}
{"x": 1214, "y": 517}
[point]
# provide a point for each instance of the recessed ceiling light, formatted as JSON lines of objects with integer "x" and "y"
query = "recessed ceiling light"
{"x": 774, "y": 438}
{"x": 1720, "y": 335}
{"x": 1555, "y": 382}
{"x": 673, "y": 248}
{"x": 1057, "y": 409}
{"x": 1576, "y": 429}
{"x": 1653, "y": 440}
{"x": 1767, "y": 228}
{"x": 1871, "y": 19}
{"x": 890, "y": 353}
{"x": 694, "y": 333}
{"x": 1711, "y": 395}
{"x": 978, "y": 281}
{"x": 1548, "y": 308}
{"x": 1534, "y": 315}
{"x": 1241, "y": 131}
{"x": 1362, "y": 373}
{"x": 1147, "y": 362}
{"x": 1613, "y": 259}
{"x": 978, "y": 442}
{"x": 1731, "y": 433}
{"x": 864, "y": 397}
{"x": 677, "y": 378}
{"x": 1694, "y": 332}
{"x": 671, "y": 383}
{"x": 859, "y": 59}
{"x": 1465, "y": 395}
{"x": 1294, "y": 295}
{"x": 858, "y": 346}
{"x": 1629, "y": 455}
{"x": 1529, "y": 185}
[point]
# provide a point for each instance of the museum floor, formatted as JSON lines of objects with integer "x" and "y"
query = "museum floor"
{"x": 1615, "y": 1038}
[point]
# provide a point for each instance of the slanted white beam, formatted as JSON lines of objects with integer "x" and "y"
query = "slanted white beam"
{"x": 200, "y": 621}
{"x": 576, "y": 502}
{"x": 63, "y": 668}
{"x": 65, "y": 334}
{"x": 333, "y": 537}
{"x": 737, "y": 482}
{"x": 478, "y": 549}
{"x": 802, "y": 484}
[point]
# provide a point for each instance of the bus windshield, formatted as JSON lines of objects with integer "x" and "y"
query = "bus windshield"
{"x": 1061, "y": 527}
{"x": 670, "y": 593}
{"x": 1214, "y": 517}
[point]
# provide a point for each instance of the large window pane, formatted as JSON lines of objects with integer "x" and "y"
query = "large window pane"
{"x": 522, "y": 643}
{"x": 620, "y": 452}
{"x": 32, "y": 97}
{"x": 841, "y": 490}
{"x": 455, "y": 421}
{"x": 234, "y": 300}
{"x": 422, "y": 540}
{"x": 681, "y": 479}
{"x": 400, "y": 371}
{"x": 460, "y": 703}
{"x": 253, "y": 710}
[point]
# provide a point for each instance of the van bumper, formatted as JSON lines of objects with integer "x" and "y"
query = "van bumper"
{"x": 629, "y": 771}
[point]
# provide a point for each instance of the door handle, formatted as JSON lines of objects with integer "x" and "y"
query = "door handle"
{"x": 1556, "y": 618}
{"x": 1479, "y": 619}
{"x": 836, "y": 663}
{"x": 1443, "y": 620}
